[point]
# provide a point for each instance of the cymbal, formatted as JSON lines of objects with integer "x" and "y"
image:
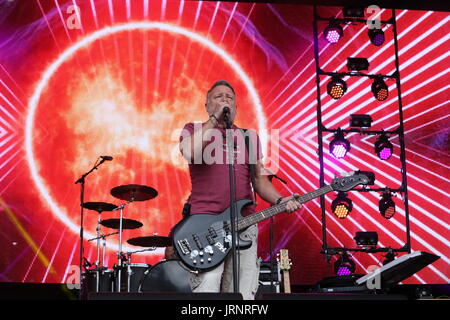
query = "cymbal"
{"x": 134, "y": 192}
{"x": 151, "y": 241}
{"x": 99, "y": 206}
{"x": 126, "y": 223}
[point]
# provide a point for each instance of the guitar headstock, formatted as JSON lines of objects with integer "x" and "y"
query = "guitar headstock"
{"x": 353, "y": 179}
{"x": 285, "y": 262}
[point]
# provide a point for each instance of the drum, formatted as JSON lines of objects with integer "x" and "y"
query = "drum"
{"x": 167, "y": 276}
{"x": 131, "y": 276}
{"x": 105, "y": 280}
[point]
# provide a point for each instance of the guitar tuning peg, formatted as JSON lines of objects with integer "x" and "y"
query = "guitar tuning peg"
{"x": 347, "y": 174}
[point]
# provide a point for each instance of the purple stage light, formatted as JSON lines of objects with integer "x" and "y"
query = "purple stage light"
{"x": 376, "y": 36}
{"x": 332, "y": 36}
{"x": 344, "y": 265}
{"x": 383, "y": 148}
{"x": 385, "y": 153}
{"x": 343, "y": 271}
{"x": 339, "y": 150}
{"x": 333, "y": 32}
{"x": 339, "y": 146}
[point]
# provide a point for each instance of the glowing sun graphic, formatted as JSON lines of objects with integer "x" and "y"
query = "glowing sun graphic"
{"x": 130, "y": 109}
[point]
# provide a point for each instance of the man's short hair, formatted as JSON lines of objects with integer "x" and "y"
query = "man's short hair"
{"x": 221, "y": 83}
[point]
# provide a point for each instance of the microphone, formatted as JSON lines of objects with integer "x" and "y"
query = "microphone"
{"x": 226, "y": 110}
{"x": 106, "y": 158}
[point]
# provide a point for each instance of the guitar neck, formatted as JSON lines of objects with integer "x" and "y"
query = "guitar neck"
{"x": 286, "y": 281}
{"x": 276, "y": 209}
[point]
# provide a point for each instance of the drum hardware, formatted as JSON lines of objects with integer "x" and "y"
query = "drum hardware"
{"x": 99, "y": 207}
{"x": 134, "y": 192}
{"x": 129, "y": 193}
{"x": 126, "y": 223}
{"x": 103, "y": 238}
{"x": 151, "y": 241}
{"x": 135, "y": 271}
{"x": 100, "y": 278}
{"x": 119, "y": 254}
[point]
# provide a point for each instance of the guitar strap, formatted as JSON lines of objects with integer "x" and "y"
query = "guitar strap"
{"x": 252, "y": 162}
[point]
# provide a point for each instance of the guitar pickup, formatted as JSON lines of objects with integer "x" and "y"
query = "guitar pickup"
{"x": 212, "y": 232}
{"x": 210, "y": 240}
{"x": 197, "y": 241}
{"x": 184, "y": 246}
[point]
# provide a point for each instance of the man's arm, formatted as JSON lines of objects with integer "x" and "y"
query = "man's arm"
{"x": 195, "y": 143}
{"x": 267, "y": 191}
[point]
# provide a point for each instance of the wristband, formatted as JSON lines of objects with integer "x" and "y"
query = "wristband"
{"x": 279, "y": 200}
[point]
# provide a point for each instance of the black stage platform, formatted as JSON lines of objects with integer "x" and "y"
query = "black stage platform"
{"x": 57, "y": 291}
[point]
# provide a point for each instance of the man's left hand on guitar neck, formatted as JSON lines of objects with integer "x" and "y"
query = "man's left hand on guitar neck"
{"x": 292, "y": 205}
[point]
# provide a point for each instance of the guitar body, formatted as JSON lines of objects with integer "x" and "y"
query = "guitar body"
{"x": 202, "y": 241}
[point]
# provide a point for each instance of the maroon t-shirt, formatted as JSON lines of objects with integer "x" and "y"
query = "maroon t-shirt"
{"x": 209, "y": 171}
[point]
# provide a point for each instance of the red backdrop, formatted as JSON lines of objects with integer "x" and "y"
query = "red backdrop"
{"x": 120, "y": 78}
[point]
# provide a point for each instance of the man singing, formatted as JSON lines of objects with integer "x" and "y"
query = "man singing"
{"x": 205, "y": 148}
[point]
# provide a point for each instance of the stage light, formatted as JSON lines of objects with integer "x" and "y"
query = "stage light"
{"x": 376, "y": 36}
{"x": 357, "y": 64}
{"x": 386, "y": 205}
{"x": 353, "y": 12}
{"x": 380, "y": 89}
{"x": 336, "y": 87}
{"x": 344, "y": 265}
{"x": 339, "y": 146}
{"x": 341, "y": 206}
{"x": 333, "y": 32}
{"x": 383, "y": 148}
{"x": 360, "y": 120}
{"x": 367, "y": 238}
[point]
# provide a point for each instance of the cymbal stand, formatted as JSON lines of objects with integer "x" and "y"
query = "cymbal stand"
{"x": 128, "y": 262}
{"x": 100, "y": 266}
{"x": 120, "y": 253}
{"x": 97, "y": 263}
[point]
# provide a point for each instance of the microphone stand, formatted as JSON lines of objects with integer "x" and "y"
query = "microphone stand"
{"x": 233, "y": 214}
{"x": 82, "y": 181}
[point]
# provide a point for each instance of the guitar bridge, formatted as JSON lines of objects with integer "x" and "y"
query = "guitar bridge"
{"x": 184, "y": 246}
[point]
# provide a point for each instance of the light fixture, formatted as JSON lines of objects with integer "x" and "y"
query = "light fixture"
{"x": 376, "y": 36}
{"x": 366, "y": 238}
{"x": 357, "y": 64}
{"x": 341, "y": 206}
{"x": 383, "y": 148}
{"x": 360, "y": 120}
{"x": 333, "y": 32}
{"x": 357, "y": 12}
{"x": 336, "y": 87}
{"x": 386, "y": 205}
{"x": 380, "y": 89}
{"x": 344, "y": 265}
{"x": 339, "y": 146}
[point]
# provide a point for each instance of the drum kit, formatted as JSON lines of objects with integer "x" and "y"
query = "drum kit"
{"x": 167, "y": 275}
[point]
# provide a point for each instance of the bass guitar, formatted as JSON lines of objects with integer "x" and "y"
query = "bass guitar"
{"x": 202, "y": 241}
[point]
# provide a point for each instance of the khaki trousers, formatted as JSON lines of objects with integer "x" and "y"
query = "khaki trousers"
{"x": 220, "y": 279}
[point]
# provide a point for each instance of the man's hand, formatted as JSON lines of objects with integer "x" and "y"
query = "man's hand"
{"x": 292, "y": 204}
